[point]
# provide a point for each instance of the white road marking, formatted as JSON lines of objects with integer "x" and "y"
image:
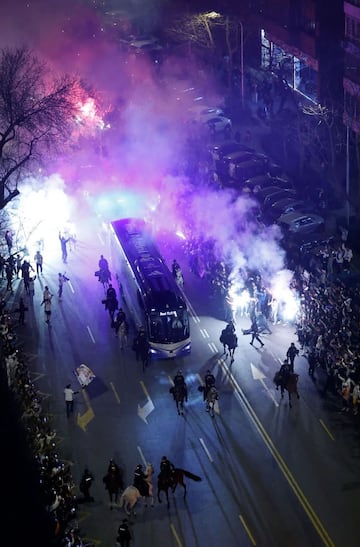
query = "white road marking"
{"x": 90, "y": 334}
{"x": 71, "y": 287}
{"x": 143, "y": 412}
{"x": 258, "y": 375}
{"x": 213, "y": 347}
{"x": 175, "y": 534}
{"x": 206, "y": 450}
{"x": 142, "y": 456}
{"x": 204, "y": 333}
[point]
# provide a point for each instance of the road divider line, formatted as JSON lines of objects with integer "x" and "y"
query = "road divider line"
{"x": 206, "y": 449}
{"x": 212, "y": 347}
{"x": 142, "y": 456}
{"x": 115, "y": 392}
{"x": 327, "y": 430}
{"x": 304, "y": 502}
{"x": 71, "y": 287}
{"x": 90, "y": 334}
{"x": 176, "y": 536}
{"x": 247, "y": 530}
{"x": 193, "y": 313}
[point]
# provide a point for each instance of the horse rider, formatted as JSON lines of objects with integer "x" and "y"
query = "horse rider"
{"x": 179, "y": 382}
{"x": 140, "y": 480}
{"x": 103, "y": 263}
{"x": 284, "y": 373}
{"x": 209, "y": 383}
{"x": 167, "y": 468}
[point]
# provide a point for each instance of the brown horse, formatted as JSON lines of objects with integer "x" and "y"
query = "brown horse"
{"x": 290, "y": 385}
{"x": 172, "y": 480}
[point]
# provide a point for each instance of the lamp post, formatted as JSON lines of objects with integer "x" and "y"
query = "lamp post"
{"x": 216, "y": 15}
{"x": 242, "y": 62}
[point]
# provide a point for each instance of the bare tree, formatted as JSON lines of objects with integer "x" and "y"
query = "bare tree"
{"x": 37, "y": 113}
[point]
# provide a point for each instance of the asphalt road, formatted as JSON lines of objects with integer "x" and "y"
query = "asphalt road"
{"x": 271, "y": 475}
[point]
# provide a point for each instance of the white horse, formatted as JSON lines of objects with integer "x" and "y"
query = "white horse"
{"x": 131, "y": 494}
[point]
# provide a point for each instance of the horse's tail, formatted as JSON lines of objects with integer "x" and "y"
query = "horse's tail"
{"x": 191, "y": 475}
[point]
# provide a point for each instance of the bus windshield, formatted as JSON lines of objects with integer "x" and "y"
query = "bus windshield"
{"x": 171, "y": 326}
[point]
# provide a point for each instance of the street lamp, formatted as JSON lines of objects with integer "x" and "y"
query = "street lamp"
{"x": 216, "y": 15}
{"x": 242, "y": 62}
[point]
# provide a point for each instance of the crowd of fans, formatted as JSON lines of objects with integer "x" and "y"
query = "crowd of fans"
{"x": 328, "y": 319}
{"x": 45, "y": 485}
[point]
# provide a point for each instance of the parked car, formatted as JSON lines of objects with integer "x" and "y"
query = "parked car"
{"x": 262, "y": 193}
{"x": 204, "y": 112}
{"x": 226, "y": 165}
{"x": 248, "y": 169}
{"x": 289, "y": 205}
{"x": 273, "y": 197}
{"x": 301, "y": 223}
{"x": 218, "y": 151}
{"x": 218, "y": 124}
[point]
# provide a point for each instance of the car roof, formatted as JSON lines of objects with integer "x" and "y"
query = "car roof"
{"x": 287, "y": 201}
{"x": 233, "y": 156}
{"x": 231, "y": 146}
{"x": 294, "y": 216}
{"x": 216, "y": 118}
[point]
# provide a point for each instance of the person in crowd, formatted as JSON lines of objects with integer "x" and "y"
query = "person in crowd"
{"x": 18, "y": 265}
{"x": 209, "y": 381}
{"x": 103, "y": 263}
{"x": 346, "y": 395}
{"x": 291, "y": 353}
{"x": 141, "y": 346}
{"x": 254, "y": 330}
{"x": 62, "y": 279}
{"x": 21, "y": 311}
{"x": 25, "y": 269}
{"x": 9, "y": 240}
{"x": 46, "y": 302}
{"x": 119, "y": 318}
{"x": 63, "y": 244}
{"x": 123, "y": 332}
{"x": 9, "y": 276}
{"x": 2, "y": 266}
{"x": 32, "y": 288}
{"x": 69, "y": 399}
{"x": 38, "y": 258}
{"x": 85, "y": 484}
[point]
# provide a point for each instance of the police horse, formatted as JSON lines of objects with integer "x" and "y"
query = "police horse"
{"x": 132, "y": 495}
{"x": 290, "y": 385}
{"x": 170, "y": 481}
{"x": 180, "y": 394}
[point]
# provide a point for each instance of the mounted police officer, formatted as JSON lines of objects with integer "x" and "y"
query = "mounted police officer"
{"x": 284, "y": 373}
{"x": 140, "y": 481}
{"x": 167, "y": 468}
{"x": 179, "y": 385}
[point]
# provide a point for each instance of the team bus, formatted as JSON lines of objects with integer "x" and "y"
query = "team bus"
{"x": 148, "y": 288}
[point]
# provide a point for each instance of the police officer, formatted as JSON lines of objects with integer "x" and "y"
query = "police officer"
{"x": 284, "y": 372}
{"x": 85, "y": 484}
{"x": 139, "y": 480}
{"x": 166, "y": 467}
{"x": 124, "y": 537}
